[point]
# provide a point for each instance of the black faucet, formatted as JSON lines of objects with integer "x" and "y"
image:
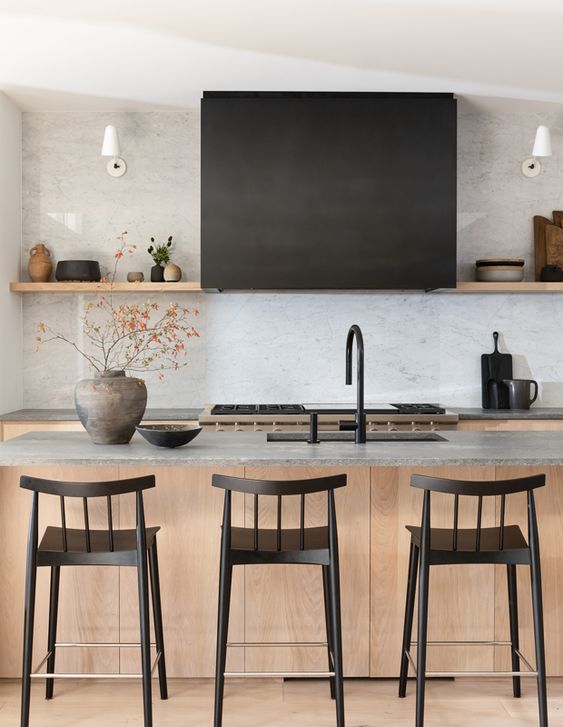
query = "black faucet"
{"x": 359, "y": 425}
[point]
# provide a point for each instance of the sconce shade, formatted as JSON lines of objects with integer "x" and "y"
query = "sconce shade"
{"x": 110, "y": 146}
{"x": 542, "y": 144}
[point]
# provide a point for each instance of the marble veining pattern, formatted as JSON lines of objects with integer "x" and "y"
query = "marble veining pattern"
{"x": 275, "y": 347}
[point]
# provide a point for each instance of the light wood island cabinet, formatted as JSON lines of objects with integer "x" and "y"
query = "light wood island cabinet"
{"x": 510, "y": 425}
{"x": 279, "y": 604}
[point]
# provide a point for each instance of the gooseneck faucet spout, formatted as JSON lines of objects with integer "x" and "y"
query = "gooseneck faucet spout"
{"x": 360, "y": 424}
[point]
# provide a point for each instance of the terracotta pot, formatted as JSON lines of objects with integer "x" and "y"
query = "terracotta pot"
{"x": 40, "y": 265}
{"x": 110, "y": 406}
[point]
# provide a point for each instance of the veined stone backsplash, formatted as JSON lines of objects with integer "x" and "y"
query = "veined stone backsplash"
{"x": 281, "y": 347}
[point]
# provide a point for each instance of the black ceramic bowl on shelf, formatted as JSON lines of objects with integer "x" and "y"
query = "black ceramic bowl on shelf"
{"x": 168, "y": 435}
{"x": 82, "y": 271}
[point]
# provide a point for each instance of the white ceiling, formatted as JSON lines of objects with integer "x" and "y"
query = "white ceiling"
{"x": 143, "y": 54}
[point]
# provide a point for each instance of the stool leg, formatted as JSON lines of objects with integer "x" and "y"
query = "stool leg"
{"x": 423, "y": 583}
{"x": 52, "y": 637}
{"x": 225, "y": 580}
{"x": 143, "y": 582}
{"x": 29, "y": 619}
{"x": 157, "y": 617}
{"x": 513, "y": 614}
{"x": 29, "y": 614}
{"x": 334, "y": 595}
{"x": 328, "y": 622}
{"x": 409, "y": 615}
{"x": 537, "y": 604}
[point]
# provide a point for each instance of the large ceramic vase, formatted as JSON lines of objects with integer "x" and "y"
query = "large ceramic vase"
{"x": 110, "y": 406}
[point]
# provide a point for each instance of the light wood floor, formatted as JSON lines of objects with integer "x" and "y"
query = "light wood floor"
{"x": 276, "y": 704}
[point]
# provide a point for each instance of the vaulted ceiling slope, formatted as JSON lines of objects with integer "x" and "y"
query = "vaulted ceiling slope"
{"x": 69, "y": 54}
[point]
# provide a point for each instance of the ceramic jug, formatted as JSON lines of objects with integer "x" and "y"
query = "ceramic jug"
{"x": 519, "y": 396}
{"x": 39, "y": 266}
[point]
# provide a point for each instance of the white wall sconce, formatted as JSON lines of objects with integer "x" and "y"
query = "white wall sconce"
{"x": 116, "y": 166}
{"x": 531, "y": 167}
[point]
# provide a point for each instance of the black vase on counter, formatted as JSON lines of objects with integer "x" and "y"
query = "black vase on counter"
{"x": 157, "y": 274}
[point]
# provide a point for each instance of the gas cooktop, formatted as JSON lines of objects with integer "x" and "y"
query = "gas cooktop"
{"x": 249, "y": 409}
{"x": 295, "y": 409}
{"x": 376, "y": 408}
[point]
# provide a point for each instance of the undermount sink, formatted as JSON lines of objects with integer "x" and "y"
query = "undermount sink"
{"x": 349, "y": 437}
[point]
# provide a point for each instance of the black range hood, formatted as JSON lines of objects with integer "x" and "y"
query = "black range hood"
{"x": 327, "y": 191}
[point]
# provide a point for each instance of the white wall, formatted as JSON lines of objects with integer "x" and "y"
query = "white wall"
{"x": 11, "y": 360}
{"x": 280, "y": 347}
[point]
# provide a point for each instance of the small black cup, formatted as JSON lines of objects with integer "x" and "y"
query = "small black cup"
{"x": 551, "y": 274}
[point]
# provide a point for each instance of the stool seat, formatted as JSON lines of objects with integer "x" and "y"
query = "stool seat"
{"x": 51, "y": 550}
{"x": 289, "y": 545}
{"x": 313, "y": 539}
{"x": 443, "y": 539}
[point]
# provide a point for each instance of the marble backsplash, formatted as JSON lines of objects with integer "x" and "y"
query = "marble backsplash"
{"x": 286, "y": 346}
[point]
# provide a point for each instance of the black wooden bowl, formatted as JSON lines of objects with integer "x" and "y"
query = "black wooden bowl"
{"x": 83, "y": 271}
{"x": 168, "y": 435}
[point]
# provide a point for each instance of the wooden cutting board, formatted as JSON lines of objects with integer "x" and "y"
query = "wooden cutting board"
{"x": 558, "y": 218}
{"x": 495, "y": 367}
{"x": 540, "y": 224}
{"x": 554, "y": 245}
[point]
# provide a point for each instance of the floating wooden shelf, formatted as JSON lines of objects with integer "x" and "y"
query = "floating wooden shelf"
{"x": 524, "y": 287}
{"x": 121, "y": 287}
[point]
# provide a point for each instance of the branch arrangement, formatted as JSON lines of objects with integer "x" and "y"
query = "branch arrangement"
{"x": 130, "y": 337}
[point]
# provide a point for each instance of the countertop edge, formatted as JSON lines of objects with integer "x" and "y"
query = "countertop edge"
{"x": 193, "y": 413}
{"x": 65, "y": 415}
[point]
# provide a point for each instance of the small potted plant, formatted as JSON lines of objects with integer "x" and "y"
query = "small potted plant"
{"x": 161, "y": 257}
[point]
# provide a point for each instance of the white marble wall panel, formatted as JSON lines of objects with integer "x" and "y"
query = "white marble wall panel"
{"x": 77, "y": 209}
{"x": 291, "y": 347}
{"x": 288, "y": 346}
{"x": 496, "y": 203}
{"x": 51, "y": 372}
{"x": 531, "y": 329}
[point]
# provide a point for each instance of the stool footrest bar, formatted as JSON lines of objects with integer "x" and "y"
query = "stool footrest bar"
{"x": 69, "y": 675}
{"x": 272, "y": 644}
{"x": 465, "y": 643}
{"x": 460, "y": 674}
{"x": 94, "y": 645}
{"x": 281, "y": 674}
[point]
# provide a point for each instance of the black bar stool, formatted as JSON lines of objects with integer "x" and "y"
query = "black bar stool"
{"x": 253, "y": 546}
{"x": 65, "y": 546}
{"x": 455, "y": 546}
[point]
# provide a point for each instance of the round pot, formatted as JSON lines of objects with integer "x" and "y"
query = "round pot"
{"x": 172, "y": 273}
{"x": 110, "y": 406}
{"x": 157, "y": 274}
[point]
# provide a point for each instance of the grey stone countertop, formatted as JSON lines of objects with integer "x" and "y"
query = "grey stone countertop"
{"x": 534, "y": 412}
{"x": 180, "y": 414}
{"x": 534, "y": 449}
{"x": 64, "y": 415}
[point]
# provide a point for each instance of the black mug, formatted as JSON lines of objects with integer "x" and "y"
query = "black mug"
{"x": 519, "y": 392}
